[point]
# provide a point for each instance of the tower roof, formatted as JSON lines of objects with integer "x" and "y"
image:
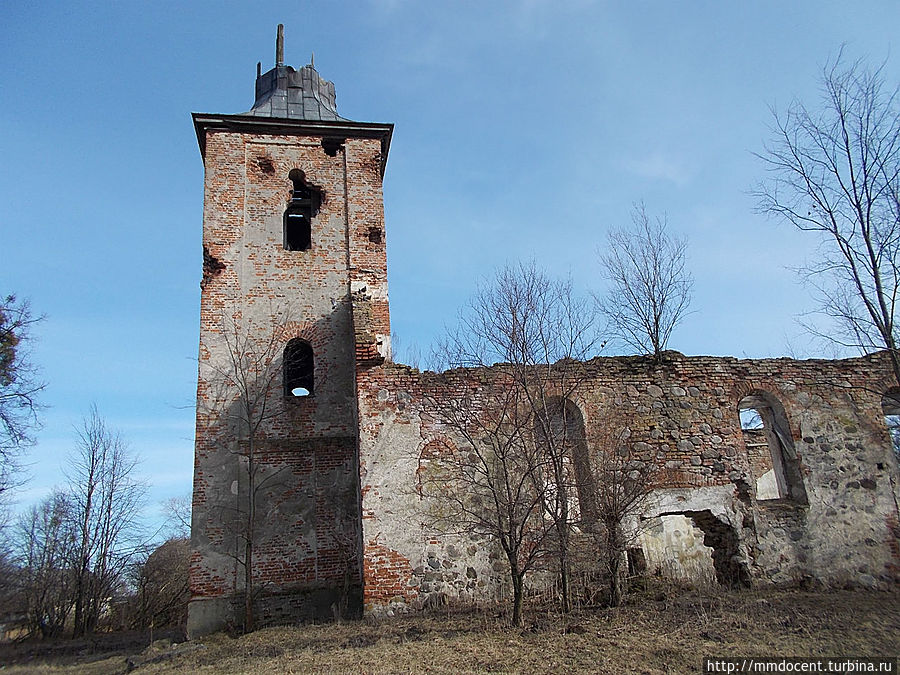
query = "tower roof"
{"x": 293, "y": 102}
{"x": 286, "y": 93}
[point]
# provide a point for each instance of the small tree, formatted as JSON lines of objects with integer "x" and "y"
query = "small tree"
{"x": 161, "y": 586}
{"x": 106, "y": 499}
{"x": 649, "y": 286}
{"x": 621, "y": 480}
{"x": 20, "y": 386}
{"x": 836, "y": 172}
{"x": 541, "y": 330}
{"x": 489, "y": 484}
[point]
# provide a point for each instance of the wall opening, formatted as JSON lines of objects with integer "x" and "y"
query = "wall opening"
{"x": 299, "y": 368}
{"x": 559, "y": 427}
{"x": 304, "y": 205}
{"x": 890, "y": 407}
{"x": 673, "y": 548}
{"x": 770, "y": 448}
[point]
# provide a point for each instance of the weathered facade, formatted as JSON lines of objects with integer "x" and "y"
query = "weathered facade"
{"x": 309, "y": 439}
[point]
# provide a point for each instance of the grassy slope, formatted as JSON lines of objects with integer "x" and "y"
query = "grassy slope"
{"x": 658, "y": 632}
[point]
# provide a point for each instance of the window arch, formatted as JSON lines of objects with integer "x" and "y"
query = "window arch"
{"x": 299, "y": 367}
{"x": 559, "y": 427}
{"x": 770, "y": 448}
{"x": 890, "y": 408}
{"x": 298, "y": 216}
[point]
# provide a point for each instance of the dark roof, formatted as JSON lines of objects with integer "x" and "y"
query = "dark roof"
{"x": 295, "y": 94}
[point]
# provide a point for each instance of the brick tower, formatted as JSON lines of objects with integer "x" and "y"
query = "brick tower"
{"x": 293, "y": 248}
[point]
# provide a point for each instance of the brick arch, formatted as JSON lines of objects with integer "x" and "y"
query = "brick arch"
{"x": 435, "y": 447}
{"x": 305, "y": 330}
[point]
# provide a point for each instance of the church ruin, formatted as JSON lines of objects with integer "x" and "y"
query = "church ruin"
{"x": 309, "y": 437}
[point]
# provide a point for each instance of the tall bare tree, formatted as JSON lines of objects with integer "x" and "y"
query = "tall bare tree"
{"x": 621, "y": 480}
{"x": 835, "y": 171}
{"x": 649, "y": 285}
{"x": 106, "y": 498}
{"x": 541, "y": 330}
{"x": 245, "y": 396}
{"x": 20, "y": 386}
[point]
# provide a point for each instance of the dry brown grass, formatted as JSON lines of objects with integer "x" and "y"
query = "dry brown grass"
{"x": 659, "y": 631}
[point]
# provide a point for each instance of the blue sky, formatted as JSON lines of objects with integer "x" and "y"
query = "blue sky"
{"x": 524, "y": 130}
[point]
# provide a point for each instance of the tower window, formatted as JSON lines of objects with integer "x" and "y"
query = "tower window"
{"x": 298, "y": 216}
{"x": 298, "y": 368}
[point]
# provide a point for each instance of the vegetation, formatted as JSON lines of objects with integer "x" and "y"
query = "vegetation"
{"x": 650, "y": 288}
{"x": 20, "y": 386}
{"x": 514, "y": 463}
{"x": 835, "y": 172}
{"x": 79, "y": 560}
{"x": 664, "y": 630}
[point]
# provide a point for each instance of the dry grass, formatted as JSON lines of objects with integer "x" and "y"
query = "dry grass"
{"x": 659, "y": 631}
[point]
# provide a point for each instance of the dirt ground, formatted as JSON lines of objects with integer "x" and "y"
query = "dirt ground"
{"x": 658, "y": 631}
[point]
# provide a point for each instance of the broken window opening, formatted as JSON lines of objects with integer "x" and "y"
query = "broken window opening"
{"x": 299, "y": 369}
{"x": 770, "y": 448}
{"x": 331, "y": 145}
{"x": 304, "y": 205}
{"x": 890, "y": 407}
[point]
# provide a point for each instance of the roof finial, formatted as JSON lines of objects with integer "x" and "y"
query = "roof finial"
{"x": 312, "y": 59}
{"x": 279, "y": 46}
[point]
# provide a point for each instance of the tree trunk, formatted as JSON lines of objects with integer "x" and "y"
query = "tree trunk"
{"x": 248, "y": 542}
{"x": 248, "y": 587}
{"x": 517, "y": 598}
{"x": 614, "y": 552}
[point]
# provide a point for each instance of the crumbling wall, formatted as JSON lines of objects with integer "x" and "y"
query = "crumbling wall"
{"x": 307, "y": 557}
{"x": 685, "y": 412}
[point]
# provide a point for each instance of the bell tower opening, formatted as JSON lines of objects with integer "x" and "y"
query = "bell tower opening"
{"x": 298, "y": 216}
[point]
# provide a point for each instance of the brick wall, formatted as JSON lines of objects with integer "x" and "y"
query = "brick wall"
{"x": 255, "y": 297}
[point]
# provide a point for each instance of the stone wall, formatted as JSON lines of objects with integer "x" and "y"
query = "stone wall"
{"x": 841, "y": 530}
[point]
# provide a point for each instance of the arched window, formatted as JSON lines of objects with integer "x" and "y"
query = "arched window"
{"x": 770, "y": 448}
{"x": 559, "y": 430}
{"x": 299, "y": 214}
{"x": 298, "y": 368}
{"x": 890, "y": 406}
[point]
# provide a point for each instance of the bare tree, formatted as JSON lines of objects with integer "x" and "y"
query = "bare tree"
{"x": 649, "y": 286}
{"x": 176, "y": 512}
{"x": 245, "y": 396}
{"x": 621, "y": 480}
{"x": 836, "y": 172}
{"x": 20, "y": 385}
{"x": 106, "y": 500}
{"x": 541, "y": 330}
{"x": 47, "y": 540}
{"x": 487, "y": 483}
{"x": 161, "y": 586}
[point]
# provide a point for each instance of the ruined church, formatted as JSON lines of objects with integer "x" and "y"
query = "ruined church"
{"x": 309, "y": 437}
